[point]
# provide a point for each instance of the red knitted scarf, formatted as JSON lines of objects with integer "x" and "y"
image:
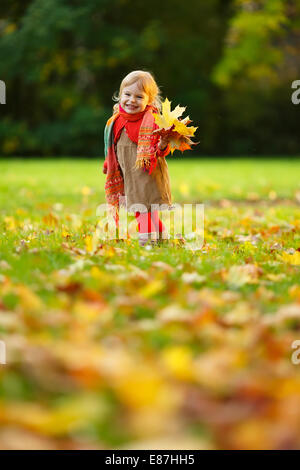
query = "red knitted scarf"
{"x": 131, "y": 122}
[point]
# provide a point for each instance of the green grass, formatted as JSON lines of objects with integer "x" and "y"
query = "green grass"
{"x": 31, "y": 190}
{"x": 57, "y": 297}
{"x": 206, "y": 179}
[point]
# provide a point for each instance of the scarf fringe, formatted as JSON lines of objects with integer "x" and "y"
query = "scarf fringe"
{"x": 142, "y": 162}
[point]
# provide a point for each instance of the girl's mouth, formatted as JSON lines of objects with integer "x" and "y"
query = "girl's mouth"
{"x": 131, "y": 106}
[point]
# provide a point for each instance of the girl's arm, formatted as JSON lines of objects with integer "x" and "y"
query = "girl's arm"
{"x": 104, "y": 167}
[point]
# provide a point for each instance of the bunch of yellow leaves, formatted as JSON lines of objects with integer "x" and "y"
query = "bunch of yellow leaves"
{"x": 176, "y": 129}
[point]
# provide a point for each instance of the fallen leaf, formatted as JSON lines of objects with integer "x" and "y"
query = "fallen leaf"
{"x": 190, "y": 278}
{"x": 291, "y": 258}
{"x": 239, "y": 275}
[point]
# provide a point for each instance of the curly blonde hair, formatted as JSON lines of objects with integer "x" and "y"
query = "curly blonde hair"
{"x": 147, "y": 83}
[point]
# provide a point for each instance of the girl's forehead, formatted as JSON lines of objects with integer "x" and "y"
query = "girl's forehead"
{"x": 134, "y": 88}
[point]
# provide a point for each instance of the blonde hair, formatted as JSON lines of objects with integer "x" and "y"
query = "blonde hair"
{"x": 146, "y": 82}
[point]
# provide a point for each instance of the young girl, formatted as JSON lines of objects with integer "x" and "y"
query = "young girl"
{"x": 134, "y": 156}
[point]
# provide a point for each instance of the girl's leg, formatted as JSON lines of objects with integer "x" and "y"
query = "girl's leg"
{"x": 157, "y": 222}
{"x": 145, "y": 223}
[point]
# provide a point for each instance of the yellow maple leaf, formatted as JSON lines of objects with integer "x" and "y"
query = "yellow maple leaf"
{"x": 182, "y": 129}
{"x": 168, "y": 117}
{"x": 176, "y": 129}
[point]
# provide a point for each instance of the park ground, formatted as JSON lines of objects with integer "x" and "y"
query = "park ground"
{"x": 112, "y": 345}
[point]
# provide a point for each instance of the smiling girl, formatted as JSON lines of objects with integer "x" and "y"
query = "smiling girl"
{"x": 134, "y": 157}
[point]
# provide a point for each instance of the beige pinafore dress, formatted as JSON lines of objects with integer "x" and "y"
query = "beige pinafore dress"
{"x": 139, "y": 186}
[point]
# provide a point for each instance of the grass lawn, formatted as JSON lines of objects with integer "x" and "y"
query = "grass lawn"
{"x": 110, "y": 345}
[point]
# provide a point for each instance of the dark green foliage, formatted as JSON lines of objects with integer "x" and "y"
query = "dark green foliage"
{"x": 62, "y": 60}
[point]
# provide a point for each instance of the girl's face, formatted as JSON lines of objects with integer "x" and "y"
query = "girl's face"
{"x": 133, "y": 99}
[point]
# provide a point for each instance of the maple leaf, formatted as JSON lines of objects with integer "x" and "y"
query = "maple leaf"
{"x": 168, "y": 117}
{"x": 176, "y": 129}
{"x": 182, "y": 129}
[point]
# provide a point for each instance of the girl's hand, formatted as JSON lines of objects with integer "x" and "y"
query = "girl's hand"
{"x": 164, "y": 137}
{"x": 163, "y": 142}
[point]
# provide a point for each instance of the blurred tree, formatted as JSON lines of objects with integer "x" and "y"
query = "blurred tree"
{"x": 226, "y": 60}
{"x": 262, "y": 43}
{"x": 261, "y": 59}
{"x": 62, "y": 61}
